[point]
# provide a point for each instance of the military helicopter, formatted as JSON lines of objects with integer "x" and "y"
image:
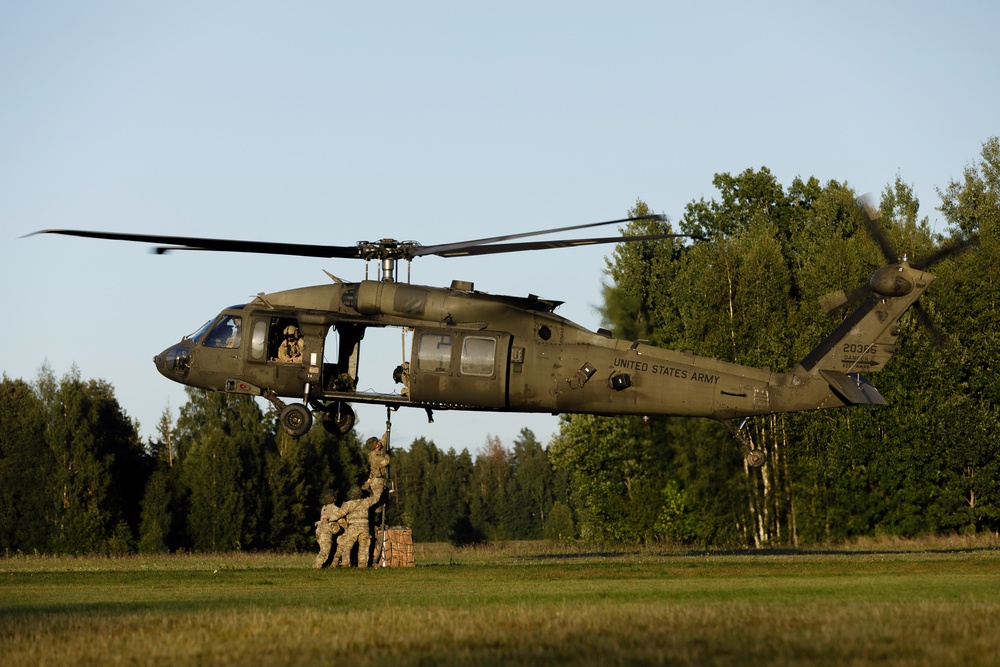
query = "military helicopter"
{"x": 477, "y": 351}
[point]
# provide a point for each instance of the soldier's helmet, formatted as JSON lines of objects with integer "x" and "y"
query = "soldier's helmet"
{"x": 291, "y": 330}
{"x": 370, "y": 443}
{"x": 354, "y": 493}
{"x": 327, "y": 497}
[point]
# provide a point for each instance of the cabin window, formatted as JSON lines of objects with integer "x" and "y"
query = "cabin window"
{"x": 434, "y": 352}
{"x": 226, "y": 333}
{"x": 258, "y": 340}
{"x": 478, "y": 355}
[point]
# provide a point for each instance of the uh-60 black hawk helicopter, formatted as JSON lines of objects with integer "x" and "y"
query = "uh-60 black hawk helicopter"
{"x": 477, "y": 351}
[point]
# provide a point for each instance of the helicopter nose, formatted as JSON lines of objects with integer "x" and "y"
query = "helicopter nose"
{"x": 174, "y": 362}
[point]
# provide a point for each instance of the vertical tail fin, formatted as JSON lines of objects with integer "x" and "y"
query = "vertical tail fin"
{"x": 866, "y": 339}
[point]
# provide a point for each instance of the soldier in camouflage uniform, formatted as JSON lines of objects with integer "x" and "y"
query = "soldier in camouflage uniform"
{"x": 378, "y": 462}
{"x": 327, "y": 526}
{"x": 355, "y": 510}
{"x": 401, "y": 375}
{"x": 292, "y": 347}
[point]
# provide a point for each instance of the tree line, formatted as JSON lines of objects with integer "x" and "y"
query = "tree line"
{"x": 929, "y": 462}
{"x": 76, "y": 478}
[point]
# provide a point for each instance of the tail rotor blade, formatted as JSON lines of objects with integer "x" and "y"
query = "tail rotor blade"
{"x": 942, "y": 253}
{"x": 834, "y": 301}
{"x": 871, "y": 220}
{"x": 925, "y": 319}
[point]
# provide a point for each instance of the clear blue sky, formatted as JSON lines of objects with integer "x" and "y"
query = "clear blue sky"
{"x": 338, "y": 122}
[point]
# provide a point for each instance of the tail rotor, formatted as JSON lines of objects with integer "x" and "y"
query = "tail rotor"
{"x": 891, "y": 280}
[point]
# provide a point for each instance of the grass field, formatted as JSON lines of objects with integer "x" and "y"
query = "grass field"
{"x": 523, "y": 603}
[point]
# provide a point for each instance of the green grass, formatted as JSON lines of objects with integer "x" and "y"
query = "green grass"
{"x": 523, "y": 603}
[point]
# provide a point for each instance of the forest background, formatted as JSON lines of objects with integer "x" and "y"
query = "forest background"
{"x": 76, "y": 478}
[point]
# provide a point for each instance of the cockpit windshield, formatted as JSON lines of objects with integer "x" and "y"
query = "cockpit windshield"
{"x": 226, "y": 332}
{"x": 196, "y": 336}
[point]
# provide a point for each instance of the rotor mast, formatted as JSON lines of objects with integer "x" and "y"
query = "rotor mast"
{"x": 387, "y": 252}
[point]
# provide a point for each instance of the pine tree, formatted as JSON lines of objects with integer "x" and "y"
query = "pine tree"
{"x": 529, "y": 491}
{"x": 221, "y": 440}
{"x": 26, "y": 463}
{"x": 100, "y": 466}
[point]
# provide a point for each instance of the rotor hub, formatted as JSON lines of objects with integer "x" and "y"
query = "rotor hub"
{"x": 892, "y": 280}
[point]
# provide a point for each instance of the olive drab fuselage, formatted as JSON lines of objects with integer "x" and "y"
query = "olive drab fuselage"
{"x": 476, "y": 351}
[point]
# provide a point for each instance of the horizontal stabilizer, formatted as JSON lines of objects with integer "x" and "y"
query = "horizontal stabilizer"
{"x": 853, "y": 388}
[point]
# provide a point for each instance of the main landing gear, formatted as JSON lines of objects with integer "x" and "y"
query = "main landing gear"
{"x": 296, "y": 419}
{"x": 337, "y": 418}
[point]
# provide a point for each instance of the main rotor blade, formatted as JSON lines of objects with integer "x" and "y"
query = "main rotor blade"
{"x": 387, "y": 248}
{"x": 549, "y": 245}
{"x": 452, "y": 249}
{"x": 170, "y": 243}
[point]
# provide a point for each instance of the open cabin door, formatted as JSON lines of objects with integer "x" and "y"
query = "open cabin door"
{"x": 268, "y": 368}
{"x": 467, "y": 368}
{"x": 343, "y": 343}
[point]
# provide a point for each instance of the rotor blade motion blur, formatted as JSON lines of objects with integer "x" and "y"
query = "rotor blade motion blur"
{"x": 385, "y": 249}
{"x": 549, "y": 245}
{"x": 171, "y": 243}
{"x": 451, "y": 249}
{"x": 872, "y": 216}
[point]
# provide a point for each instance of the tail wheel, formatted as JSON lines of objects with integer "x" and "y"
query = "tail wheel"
{"x": 756, "y": 458}
{"x": 338, "y": 418}
{"x": 295, "y": 419}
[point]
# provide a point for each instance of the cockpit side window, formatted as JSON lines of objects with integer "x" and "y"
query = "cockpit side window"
{"x": 226, "y": 333}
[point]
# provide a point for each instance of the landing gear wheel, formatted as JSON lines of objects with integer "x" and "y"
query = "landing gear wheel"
{"x": 338, "y": 418}
{"x": 756, "y": 458}
{"x": 295, "y": 419}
